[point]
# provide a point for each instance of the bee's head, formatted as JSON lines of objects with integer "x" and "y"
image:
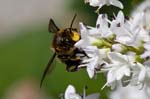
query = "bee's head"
{"x": 70, "y": 35}
{"x": 66, "y": 37}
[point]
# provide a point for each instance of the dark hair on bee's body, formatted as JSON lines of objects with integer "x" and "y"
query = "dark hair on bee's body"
{"x": 63, "y": 45}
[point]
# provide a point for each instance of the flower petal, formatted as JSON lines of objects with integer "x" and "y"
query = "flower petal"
{"x": 120, "y": 16}
{"x": 127, "y": 71}
{"x": 116, "y": 3}
{"x": 117, "y": 57}
{"x": 110, "y": 76}
{"x": 94, "y": 2}
{"x": 90, "y": 72}
{"x": 142, "y": 73}
{"x": 70, "y": 93}
{"x": 119, "y": 73}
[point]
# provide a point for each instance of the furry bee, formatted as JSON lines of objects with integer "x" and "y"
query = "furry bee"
{"x": 64, "y": 49}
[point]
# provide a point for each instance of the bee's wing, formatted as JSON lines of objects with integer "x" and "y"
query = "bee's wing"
{"x": 93, "y": 96}
{"x": 52, "y": 26}
{"x": 47, "y": 69}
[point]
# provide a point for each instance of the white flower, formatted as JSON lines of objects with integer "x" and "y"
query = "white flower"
{"x": 95, "y": 59}
{"x": 70, "y": 93}
{"x": 147, "y": 51}
{"x": 129, "y": 92}
{"x": 100, "y": 3}
{"x": 139, "y": 74}
{"x": 86, "y": 39}
{"x": 102, "y": 29}
{"x": 140, "y": 18}
{"x": 147, "y": 46}
{"x": 119, "y": 67}
{"x": 138, "y": 35}
{"x": 125, "y": 33}
{"x": 142, "y": 72}
{"x": 140, "y": 30}
{"x": 119, "y": 27}
{"x": 95, "y": 55}
{"x": 142, "y": 14}
{"x": 147, "y": 78}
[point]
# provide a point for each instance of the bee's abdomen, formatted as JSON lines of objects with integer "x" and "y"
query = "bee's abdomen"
{"x": 72, "y": 65}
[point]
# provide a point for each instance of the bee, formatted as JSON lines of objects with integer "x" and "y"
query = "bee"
{"x": 64, "y": 49}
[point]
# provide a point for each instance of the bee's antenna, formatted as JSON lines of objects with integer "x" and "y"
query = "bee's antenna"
{"x": 73, "y": 20}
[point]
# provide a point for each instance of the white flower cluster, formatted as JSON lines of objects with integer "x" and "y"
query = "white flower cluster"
{"x": 70, "y": 93}
{"x": 129, "y": 92}
{"x": 100, "y": 3}
{"x": 119, "y": 47}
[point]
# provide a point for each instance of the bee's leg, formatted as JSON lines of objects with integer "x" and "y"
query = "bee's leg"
{"x": 71, "y": 68}
{"x": 82, "y": 52}
{"x": 100, "y": 66}
{"x": 72, "y": 65}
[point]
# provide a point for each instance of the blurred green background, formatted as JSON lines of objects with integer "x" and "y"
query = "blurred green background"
{"x": 25, "y": 50}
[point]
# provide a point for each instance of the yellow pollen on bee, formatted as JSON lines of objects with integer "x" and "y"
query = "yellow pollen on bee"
{"x": 75, "y": 36}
